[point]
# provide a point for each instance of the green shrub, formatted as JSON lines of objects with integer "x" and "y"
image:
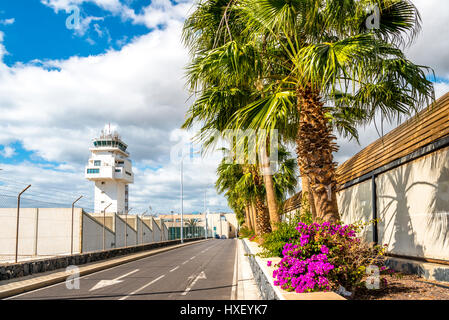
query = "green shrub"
{"x": 245, "y": 232}
{"x": 273, "y": 243}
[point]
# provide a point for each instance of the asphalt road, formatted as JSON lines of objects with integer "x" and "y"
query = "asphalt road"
{"x": 196, "y": 272}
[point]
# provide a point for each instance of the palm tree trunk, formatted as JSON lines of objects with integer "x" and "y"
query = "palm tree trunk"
{"x": 315, "y": 145}
{"x": 248, "y": 218}
{"x": 269, "y": 189}
{"x": 254, "y": 219}
{"x": 308, "y": 196}
{"x": 263, "y": 218}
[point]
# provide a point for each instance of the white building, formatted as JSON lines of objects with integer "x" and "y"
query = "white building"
{"x": 111, "y": 169}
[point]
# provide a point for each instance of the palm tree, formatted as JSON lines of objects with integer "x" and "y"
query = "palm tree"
{"x": 243, "y": 187}
{"x": 221, "y": 93}
{"x": 332, "y": 60}
{"x": 242, "y": 72}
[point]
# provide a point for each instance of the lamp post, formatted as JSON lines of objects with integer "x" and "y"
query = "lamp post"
{"x": 17, "y": 224}
{"x": 182, "y": 202}
{"x": 205, "y": 213}
{"x": 104, "y": 224}
{"x": 73, "y": 207}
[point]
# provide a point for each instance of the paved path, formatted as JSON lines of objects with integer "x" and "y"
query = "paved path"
{"x": 202, "y": 271}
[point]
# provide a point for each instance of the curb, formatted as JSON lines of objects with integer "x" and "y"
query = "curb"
{"x": 264, "y": 280}
{"x": 18, "y": 287}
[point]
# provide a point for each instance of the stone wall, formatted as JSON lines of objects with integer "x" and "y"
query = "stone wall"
{"x": 16, "y": 270}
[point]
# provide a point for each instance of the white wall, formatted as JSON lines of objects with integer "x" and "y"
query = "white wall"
{"x": 93, "y": 235}
{"x": 144, "y": 233}
{"x": 43, "y": 231}
{"x": 156, "y": 230}
{"x": 47, "y": 232}
{"x": 355, "y": 205}
{"x": 412, "y": 204}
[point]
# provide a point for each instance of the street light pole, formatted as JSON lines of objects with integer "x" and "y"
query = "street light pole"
{"x": 73, "y": 207}
{"x": 104, "y": 225}
{"x": 17, "y": 224}
{"x": 182, "y": 202}
{"x": 205, "y": 213}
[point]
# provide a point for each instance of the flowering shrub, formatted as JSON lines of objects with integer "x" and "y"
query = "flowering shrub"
{"x": 273, "y": 242}
{"x": 323, "y": 257}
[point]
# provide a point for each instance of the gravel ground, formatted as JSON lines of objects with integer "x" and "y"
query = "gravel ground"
{"x": 406, "y": 287}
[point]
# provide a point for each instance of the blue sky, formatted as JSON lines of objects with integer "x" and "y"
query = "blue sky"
{"x": 124, "y": 66}
{"x": 39, "y": 33}
{"x": 45, "y": 133}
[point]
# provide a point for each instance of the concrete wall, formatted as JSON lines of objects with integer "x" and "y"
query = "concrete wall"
{"x": 156, "y": 230}
{"x": 355, "y": 205}
{"x": 131, "y": 232}
{"x": 412, "y": 204}
{"x": 144, "y": 233}
{"x": 47, "y": 232}
{"x": 93, "y": 235}
{"x": 42, "y": 231}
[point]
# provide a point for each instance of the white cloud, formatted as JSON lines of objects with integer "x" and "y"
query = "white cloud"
{"x": 7, "y": 22}
{"x": 139, "y": 88}
{"x": 8, "y": 152}
{"x": 432, "y": 45}
{"x": 159, "y": 12}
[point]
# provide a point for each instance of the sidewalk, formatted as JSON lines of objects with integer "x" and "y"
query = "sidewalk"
{"x": 247, "y": 287}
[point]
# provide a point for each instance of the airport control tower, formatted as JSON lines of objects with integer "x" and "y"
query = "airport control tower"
{"x": 110, "y": 169}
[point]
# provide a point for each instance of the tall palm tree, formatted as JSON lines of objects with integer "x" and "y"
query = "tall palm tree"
{"x": 242, "y": 72}
{"x": 242, "y": 184}
{"x": 222, "y": 89}
{"x": 333, "y": 60}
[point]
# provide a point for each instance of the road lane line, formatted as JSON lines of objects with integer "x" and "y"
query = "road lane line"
{"x": 106, "y": 283}
{"x": 143, "y": 287}
{"x": 185, "y": 262}
{"x": 174, "y": 269}
{"x": 193, "y": 258}
{"x": 202, "y": 275}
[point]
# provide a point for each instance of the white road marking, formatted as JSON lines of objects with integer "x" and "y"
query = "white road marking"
{"x": 143, "y": 287}
{"x": 106, "y": 283}
{"x": 193, "y": 258}
{"x": 174, "y": 269}
{"x": 202, "y": 275}
{"x": 185, "y": 262}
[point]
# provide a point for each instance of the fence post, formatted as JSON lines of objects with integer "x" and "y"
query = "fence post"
{"x": 161, "y": 229}
{"x": 104, "y": 226}
{"x": 36, "y": 231}
{"x": 17, "y": 224}
{"x": 71, "y": 235}
{"x": 374, "y": 201}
